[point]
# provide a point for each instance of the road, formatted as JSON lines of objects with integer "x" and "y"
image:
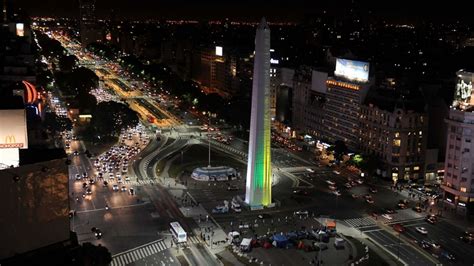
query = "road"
{"x": 291, "y": 172}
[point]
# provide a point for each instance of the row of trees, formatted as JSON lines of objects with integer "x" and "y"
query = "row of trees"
{"x": 235, "y": 110}
{"x": 76, "y": 83}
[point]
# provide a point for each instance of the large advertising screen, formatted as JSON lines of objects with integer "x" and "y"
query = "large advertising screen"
{"x": 13, "y": 133}
{"x": 463, "y": 97}
{"x": 219, "y": 50}
{"x": 352, "y": 70}
{"x": 20, "y": 29}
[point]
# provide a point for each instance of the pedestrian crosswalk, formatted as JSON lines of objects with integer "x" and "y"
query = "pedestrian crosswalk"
{"x": 401, "y": 216}
{"x": 360, "y": 222}
{"x": 138, "y": 253}
{"x": 193, "y": 240}
{"x": 229, "y": 148}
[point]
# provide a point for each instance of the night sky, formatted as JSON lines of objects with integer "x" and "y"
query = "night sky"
{"x": 273, "y": 9}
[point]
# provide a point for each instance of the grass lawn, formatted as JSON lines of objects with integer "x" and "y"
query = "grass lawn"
{"x": 197, "y": 156}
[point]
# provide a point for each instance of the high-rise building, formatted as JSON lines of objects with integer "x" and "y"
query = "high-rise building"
{"x": 90, "y": 31}
{"x": 393, "y": 128}
{"x": 458, "y": 182}
{"x": 216, "y": 70}
{"x": 345, "y": 94}
{"x": 259, "y": 170}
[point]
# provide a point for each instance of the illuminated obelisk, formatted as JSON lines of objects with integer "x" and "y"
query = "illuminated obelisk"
{"x": 258, "y": 191}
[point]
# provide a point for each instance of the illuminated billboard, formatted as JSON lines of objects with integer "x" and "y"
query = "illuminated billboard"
{"x": 13, "y": 133}
{"x": 219, "y": 51}
{"x": 352, "y": 70}
{"x": 463, "y": 97}
{"x": 20, "y": 29}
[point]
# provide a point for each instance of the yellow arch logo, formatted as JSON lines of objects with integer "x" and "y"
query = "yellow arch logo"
{"x": 10, "y": 142}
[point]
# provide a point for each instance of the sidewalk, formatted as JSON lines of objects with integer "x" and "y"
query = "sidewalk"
{"x": 209, "y": 231}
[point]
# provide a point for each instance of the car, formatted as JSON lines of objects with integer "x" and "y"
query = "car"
{"x": 232, "y": 187}
{"x": 360, "y": 181}
{"x": 355, "y": 196}
{"x": 417, "y": 209}
{"x": 88, "y": 191}
{"x": 447, "y": 256}
{"x": 389, "y": 211}
{"x": 115, "y": 187}
{"x": 91, "y": 181}
{"x": 98, "y": 233}
{"x": 401, "y": 205}
{"x": 336, "y": 172}
{"x": 320, "y": 246}
{"x": 435, "y": 245}
{"x": 373, "y": 190}
{"x": 78, "y": 177}
{"x": 348, "y": 185}
{"x": 468, "y": 237}
{"x": 124, "y": 188}
{"x": 119, "y": 180}
{"x": 301, "y": 192}
{"x": 430, "y": 220}
{"x": 301, "y": 212}
{"x": 84, "y": 185}
{"x": 399, "y": 228}
{"x": 330, "y": 182}
{"x": 85, "y": 174}
{"x": 421, "y": 230}
{"x": 131, "y": 191}
{"x": 127, "y": 178}
{"x": 424, "y": 244}
{"x": 387, "y": 216}
{"x": 369, "y": 200}
{"x": 337, "y": 192}
{"x": 264, "y": 216}
{"x": 76, "y": 153}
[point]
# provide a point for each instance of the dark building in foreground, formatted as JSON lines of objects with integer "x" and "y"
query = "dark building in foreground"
{"x": 35, "y": 207}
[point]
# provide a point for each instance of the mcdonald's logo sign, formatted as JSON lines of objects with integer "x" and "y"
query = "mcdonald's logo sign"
{"x": 10, "y": 142}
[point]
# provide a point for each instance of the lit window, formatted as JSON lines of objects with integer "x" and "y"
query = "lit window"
{"x": 396, "y": 142}
{"x": 463, "y": 189}
{"x": 416, "y": 168}
{"x": 419, "y": 133}
{"x": 397, "y": 134}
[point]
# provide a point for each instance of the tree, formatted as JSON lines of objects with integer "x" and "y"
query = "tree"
{"x": 370, "y": 164}
{"x": 67, "y": 62}
{"x": 86, "y": 102}
{"x": 80, "y": 80}
{"x": 94, "y": 255}
{"x": 109, "y": 118}
{"x": 55, "y": 123}
{"x": 340, "y": 149}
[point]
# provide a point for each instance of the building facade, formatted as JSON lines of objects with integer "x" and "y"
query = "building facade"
{"x": 458, "y": 182}
{"x": 395, "y": 136}
{"x": 342, "y": 111}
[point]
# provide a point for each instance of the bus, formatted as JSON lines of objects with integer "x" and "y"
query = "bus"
{"x": 150, "y": 119}
{"x": 179, "y": 235}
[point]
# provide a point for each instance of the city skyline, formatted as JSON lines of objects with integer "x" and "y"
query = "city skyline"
{"x": 355, "y": 119}
{"x": 280, "y": 10}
